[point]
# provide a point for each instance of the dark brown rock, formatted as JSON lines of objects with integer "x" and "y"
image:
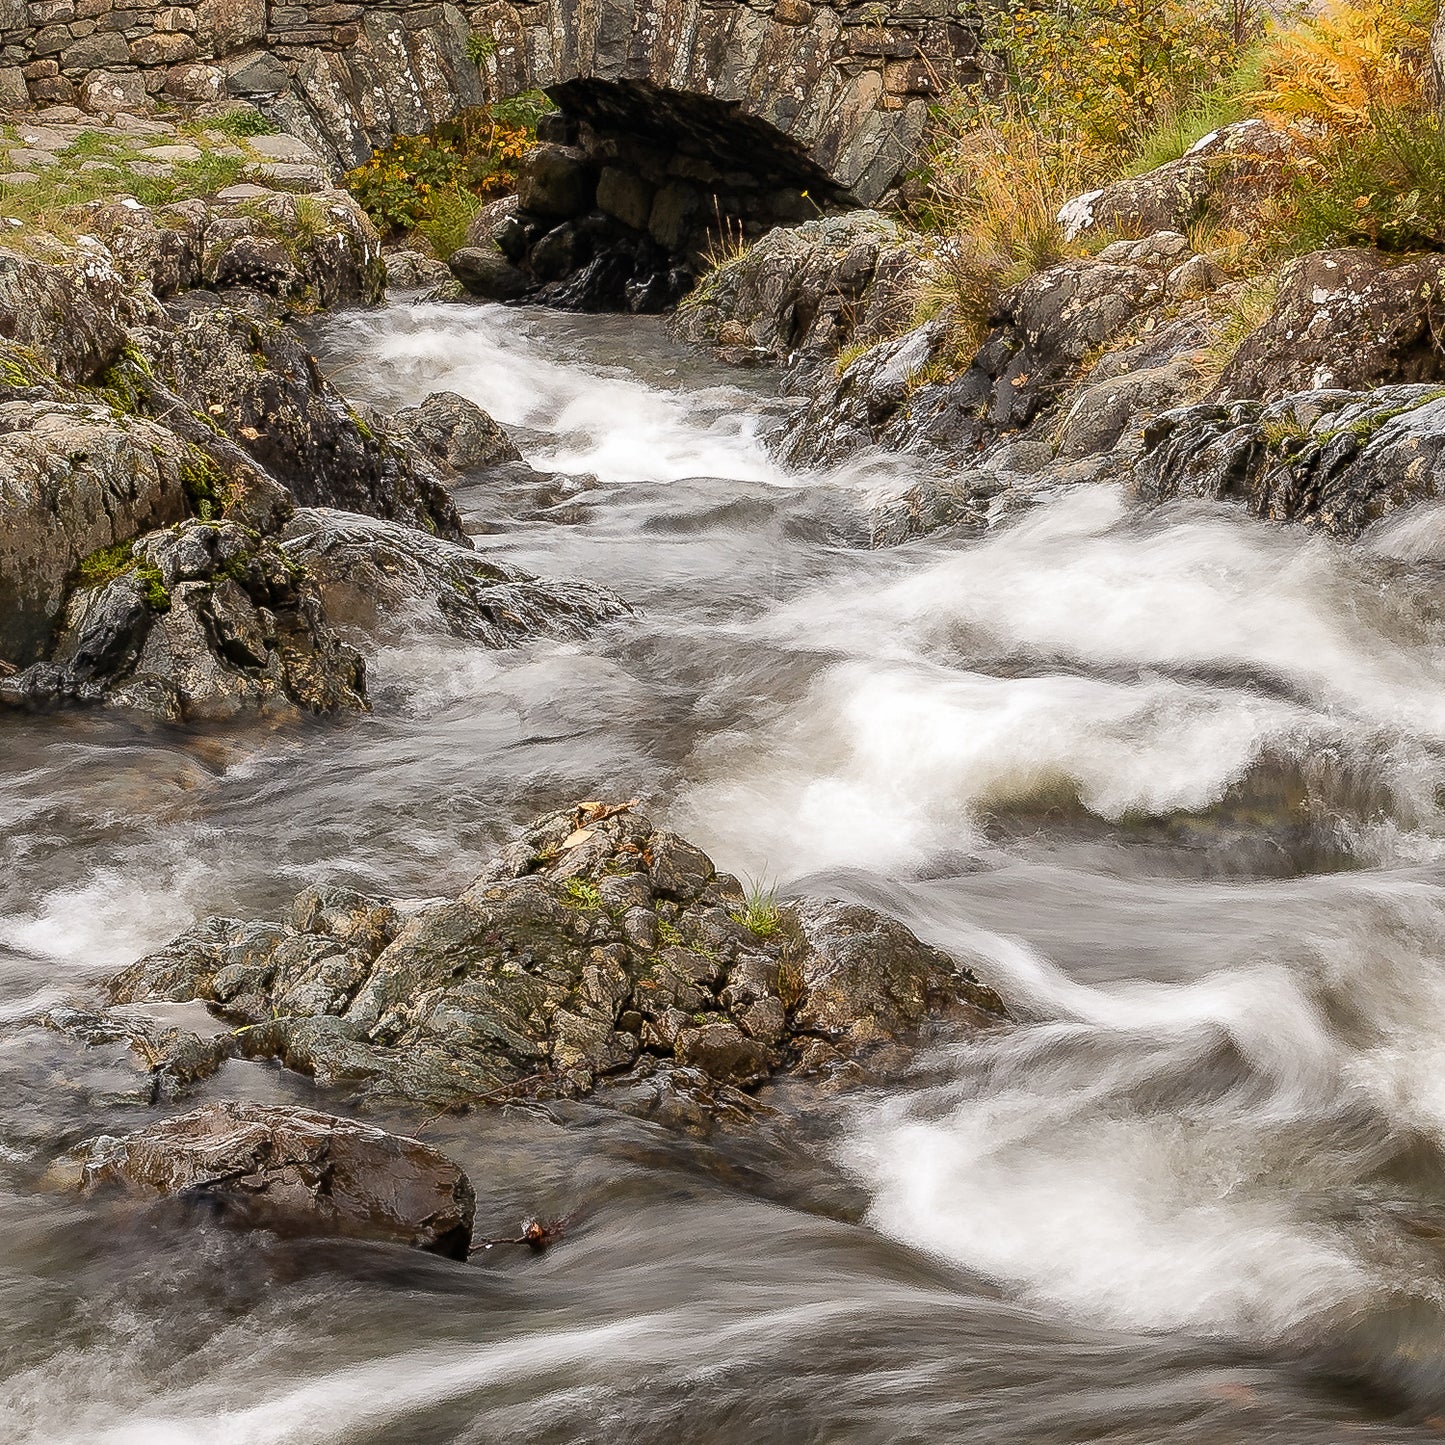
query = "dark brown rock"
{"x": 294, "y": 1170}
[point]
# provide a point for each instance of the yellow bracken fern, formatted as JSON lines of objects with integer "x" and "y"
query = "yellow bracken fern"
{"x": 1353, "y": 58}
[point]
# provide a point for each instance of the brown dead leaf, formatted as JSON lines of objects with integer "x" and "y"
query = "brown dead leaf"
{"x": 578, "y": 838}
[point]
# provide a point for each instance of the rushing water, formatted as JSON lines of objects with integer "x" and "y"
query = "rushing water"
{"x": 1172, "y": 781}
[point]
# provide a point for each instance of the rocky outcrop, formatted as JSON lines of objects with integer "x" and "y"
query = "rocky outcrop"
{"x": 807, "y": 290}
{"x": 1053, "y": 340}
{"x": 202, "y": 622}
{"x": 74, "y": 479}
{"x": 453, "y": 431}
{"x": 291, "y": 1170}
{"x": 113, "y": 404}
{"x": 1344, "y": 319}
{"x": 307, "y": 251}
{"x": 241, "y": 363}
{"x": 599, "y": 948}
{"x": 383, "y": 582}
{"x": 1336, "y": 460}
{"x": 1224, "y": 179}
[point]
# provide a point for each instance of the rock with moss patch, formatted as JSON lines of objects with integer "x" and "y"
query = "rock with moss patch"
{"x": 203, "y": 621}
{"x": 599, "y": 950}
{"x": 1337, "y": 460}
{"x": 240, "y": 366}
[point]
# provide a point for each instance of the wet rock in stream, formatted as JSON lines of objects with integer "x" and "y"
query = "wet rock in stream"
{"x": 294, "y": 1170}
{"x": 598, "y": 950}
{"x": 383, "y": 580}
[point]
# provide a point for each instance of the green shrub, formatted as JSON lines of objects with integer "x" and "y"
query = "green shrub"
{"x": 1383, "y": 186}
{"x": 434, "y": 184}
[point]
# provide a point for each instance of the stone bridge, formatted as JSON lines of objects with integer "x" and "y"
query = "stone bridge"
{"x": 828, "y": 96}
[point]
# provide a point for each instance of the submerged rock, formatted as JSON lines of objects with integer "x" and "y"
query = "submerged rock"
{"x": 294, "y": 1170}
{"x": 597, "y": 948}
{"x": 385, "y": 580}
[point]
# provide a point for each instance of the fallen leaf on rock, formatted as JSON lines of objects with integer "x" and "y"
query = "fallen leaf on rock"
{"x": 578, "y": 838}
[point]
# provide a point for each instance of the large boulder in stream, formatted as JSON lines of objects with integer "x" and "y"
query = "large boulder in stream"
{"x": 384, "y": 581}
{"x": 809, "y": 289}
{"x": 598, "y": 950}
{"x": 292, "y": 1170}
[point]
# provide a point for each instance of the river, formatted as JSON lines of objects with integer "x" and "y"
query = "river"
{"x": 1173, "y": 781}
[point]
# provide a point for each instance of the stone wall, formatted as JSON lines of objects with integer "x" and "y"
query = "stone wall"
{"x": 845, "y": 84}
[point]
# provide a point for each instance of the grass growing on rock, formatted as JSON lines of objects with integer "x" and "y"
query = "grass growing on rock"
{"x": 579, "y": 893}
{"x": 761, "y": 913}
{"x": 105, "y": 564}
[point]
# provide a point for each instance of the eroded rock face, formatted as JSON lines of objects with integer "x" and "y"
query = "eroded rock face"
{"x": 1347, "y": 319}
{"x": 203, "y": 621}
{"x": 808, "y": 289}
{"x": 598, "y": 947}
{"x": 74, "y": 478}
{"x": 1336, "y": 460}
{"x": 1044, "y": 340}
{"x": 294, "y": 1170}
{"x": 386, "y": 581}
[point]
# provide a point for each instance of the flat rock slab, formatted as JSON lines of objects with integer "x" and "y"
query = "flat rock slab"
{"x": 294, "y": 1170}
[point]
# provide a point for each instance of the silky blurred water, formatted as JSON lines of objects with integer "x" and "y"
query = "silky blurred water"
{"x": 1171, "y": 780}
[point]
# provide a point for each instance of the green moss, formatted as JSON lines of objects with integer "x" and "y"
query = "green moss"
{"x": 579, "y": 893}
{"x": 667, "y": 934}
{"x": 105, "y": 564}
{"x": 204, "y": 484}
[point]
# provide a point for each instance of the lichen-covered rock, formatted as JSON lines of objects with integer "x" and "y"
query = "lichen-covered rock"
{"x": 597, "y": 947}
{"x": 203, "y": 621}
{"x": 1336, "y": 460}
{"x": 1043, "y": 334}
{"x": 810, "y": 289}
{"x": 309, "y": 251}
{"x": 1228, "y": 177}
{"x": 385, "y": 581}
{"x": 245, "y": 369}
{"x": 74, "y": 478}
{"x": 1346, "y": 319}
{"x": 69, "y": 318}
{"x": 454, "y": 431}
{"x": 293, "y": 1170}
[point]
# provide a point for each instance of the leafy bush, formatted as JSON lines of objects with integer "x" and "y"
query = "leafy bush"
{"x": 1383, "y": 186}
{"x": 434, "y": 184}
{"x": 1104, "y": 69}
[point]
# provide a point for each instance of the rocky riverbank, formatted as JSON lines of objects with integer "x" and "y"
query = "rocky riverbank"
{"x": 1128, "y": 363}
{"x": 165, "y": 437}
